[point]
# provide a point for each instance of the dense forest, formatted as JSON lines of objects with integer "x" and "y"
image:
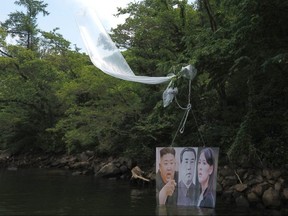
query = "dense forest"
{"x": 54, "y": 100}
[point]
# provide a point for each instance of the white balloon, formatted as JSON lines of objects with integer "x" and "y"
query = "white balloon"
{"x": 103, "y": 52}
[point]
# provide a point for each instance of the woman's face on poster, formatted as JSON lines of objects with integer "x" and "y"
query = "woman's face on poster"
{"x": 204, "y": 169}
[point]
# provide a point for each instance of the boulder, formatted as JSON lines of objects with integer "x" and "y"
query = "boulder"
{"x": 277, "y": 186}
{"x": 219, "y": 188}
{"x": 271, "y": 198}
{"x": 241, "y": 201}
{"x": 276, "y": 174}
{"x": 267, "y": 174}
{"x": 257, "y": 189}
{"x": 108, "y": 170}
{"x": 285, "y": 193}
{"x": 227, "y": 196}
{"x": 240, "y": 187}
{"x": 229, "y": 181}
{"x": 226, "y": 171}
{"x": 80, "y": 165}
{"x": 252, "y": 197}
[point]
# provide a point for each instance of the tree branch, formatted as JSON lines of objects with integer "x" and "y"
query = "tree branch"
{"x": 212, "y": 20}
{"x": 6, "y": 54}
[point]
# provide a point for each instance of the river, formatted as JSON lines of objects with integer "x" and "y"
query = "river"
{"x": 58, "y": 192}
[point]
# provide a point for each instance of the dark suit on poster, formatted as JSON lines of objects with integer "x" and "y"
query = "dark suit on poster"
{"x": 171, "y": 200}
{"x": 208, "y": 200}
{"x": 187, "y": 196}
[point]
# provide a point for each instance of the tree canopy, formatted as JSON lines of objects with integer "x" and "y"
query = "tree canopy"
{"x": 53, "y": 99}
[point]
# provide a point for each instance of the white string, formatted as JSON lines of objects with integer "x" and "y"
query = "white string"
{"x": 183, "y": 121}
{"x": 181, "y": 126}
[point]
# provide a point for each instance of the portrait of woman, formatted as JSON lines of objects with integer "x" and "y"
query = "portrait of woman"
{"x": 206, "y": 177}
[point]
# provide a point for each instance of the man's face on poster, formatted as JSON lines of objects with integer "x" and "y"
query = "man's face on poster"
{"x": 188, "y": 167}
{"x": 167, "y": 167}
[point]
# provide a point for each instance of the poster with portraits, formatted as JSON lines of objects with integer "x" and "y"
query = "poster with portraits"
{"x": 186, "y": 176}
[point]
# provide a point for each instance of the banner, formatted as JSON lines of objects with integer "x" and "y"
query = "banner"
{"x": 186, "y": 176}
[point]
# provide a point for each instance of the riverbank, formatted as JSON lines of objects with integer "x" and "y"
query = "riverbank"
{"x": 245, "y": 186}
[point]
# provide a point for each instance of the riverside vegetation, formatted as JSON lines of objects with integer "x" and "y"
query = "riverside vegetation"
{"x": 53, "y": 100}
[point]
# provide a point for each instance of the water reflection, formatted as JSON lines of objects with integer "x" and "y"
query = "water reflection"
{"x": 136, "y": 195}
{"x": 56, "y": 192}
{"x": 183, "y": 210}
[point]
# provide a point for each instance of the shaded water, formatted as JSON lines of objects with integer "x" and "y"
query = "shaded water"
{"x": 57, "y": 192}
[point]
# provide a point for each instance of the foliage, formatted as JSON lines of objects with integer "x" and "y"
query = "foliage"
{"x": 53, "y": 99}
{"x": 23, "y": 25}
{"x": 27, "y": 99}
{"x": 92, "y": 119}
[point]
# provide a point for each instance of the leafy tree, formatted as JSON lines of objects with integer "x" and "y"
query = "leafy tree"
{"x": 152, "y": 32}
{"x": 100, "y": 111}
{"x": 23, "y": 25}
{"x": 53, "y": 43}
{"x": 54, "y": 99}
{"x": 27, "y": 99}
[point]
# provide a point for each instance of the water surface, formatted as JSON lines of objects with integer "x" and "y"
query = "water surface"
{"x": 57, "y": 192}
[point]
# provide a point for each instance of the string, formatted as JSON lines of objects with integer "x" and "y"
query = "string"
{"x": 183, "y": 121}
{"x": 201, "y": 137}
{"x": 181, "y": 126}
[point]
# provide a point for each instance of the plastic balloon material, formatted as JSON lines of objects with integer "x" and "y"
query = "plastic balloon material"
{"x": 188, "y": 72}
{"x": 169, "y": 94}
{"x": 103, "y": 52}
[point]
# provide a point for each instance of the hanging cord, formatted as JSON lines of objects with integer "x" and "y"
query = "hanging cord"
{"x": 201, "y": 137}
{"x": 187, "y": 109}
{"x": 183, "y": 121}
